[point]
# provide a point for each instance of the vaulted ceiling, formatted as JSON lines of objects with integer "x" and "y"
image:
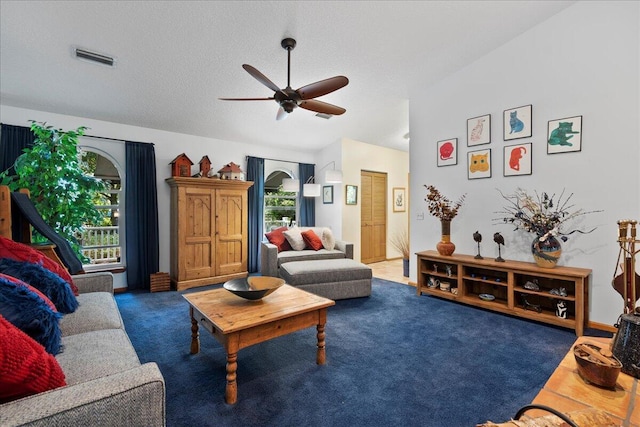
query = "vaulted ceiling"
{"x": 174, "y": 59}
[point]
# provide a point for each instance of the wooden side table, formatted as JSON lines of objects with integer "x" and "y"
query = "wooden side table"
{"x": 567, "y": 391}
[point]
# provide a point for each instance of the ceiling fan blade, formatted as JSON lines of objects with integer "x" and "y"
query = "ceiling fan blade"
{"x": 321, "y": 107}
{"x": 281, "y": 114}
{"x": 261, "y": 77}
{"x": 246, "y": 99}
{"x": 322, "y": 87}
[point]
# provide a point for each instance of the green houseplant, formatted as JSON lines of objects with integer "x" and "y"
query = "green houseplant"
{"x": 56, "y": 177}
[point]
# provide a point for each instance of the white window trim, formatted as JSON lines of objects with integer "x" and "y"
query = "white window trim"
{"x": 90, "y": 144}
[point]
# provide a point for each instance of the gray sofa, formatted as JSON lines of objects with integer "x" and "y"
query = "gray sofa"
{"x": 106, "y": 383}
{"x": 271, "y": 259}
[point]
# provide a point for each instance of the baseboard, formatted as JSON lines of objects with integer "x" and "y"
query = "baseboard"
{"x": 602, "y": 327}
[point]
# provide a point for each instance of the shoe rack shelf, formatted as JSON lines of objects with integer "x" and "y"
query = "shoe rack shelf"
{"x": 469, "y": 278}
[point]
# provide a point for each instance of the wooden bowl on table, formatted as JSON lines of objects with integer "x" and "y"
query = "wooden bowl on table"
{"x": 597, "y": 365}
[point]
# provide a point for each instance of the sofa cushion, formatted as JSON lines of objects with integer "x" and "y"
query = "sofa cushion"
{"x": 96, "y": 354}
{"x": 31, "y": 312}
{"x": 97, "y": 311}
{"x": 308, "y": 255}
{"x": 294, "y": 237}
{"x": 22, "y": 252}
{"x": 312, "y": 240}
{"x": 25, "y": 366}
{"x": 47, "y": 282}
{"x": 276, "y": 237}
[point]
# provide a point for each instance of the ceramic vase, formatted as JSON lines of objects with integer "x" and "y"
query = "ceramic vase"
{"x": 405, "y": 267}
{"x": 445, "y": 247}
{"x": 546, "y": 253}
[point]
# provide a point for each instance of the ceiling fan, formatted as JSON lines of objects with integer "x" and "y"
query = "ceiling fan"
{"x": 289, "y": 99}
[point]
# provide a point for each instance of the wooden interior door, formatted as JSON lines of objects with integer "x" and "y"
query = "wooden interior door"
{"x": 373, "y": 217}
{"x": 231, "y": 237}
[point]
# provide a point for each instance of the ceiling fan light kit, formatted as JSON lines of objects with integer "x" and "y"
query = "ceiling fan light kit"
{"x": 304, "y": 97}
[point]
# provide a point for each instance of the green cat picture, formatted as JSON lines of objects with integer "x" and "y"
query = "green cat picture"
{"x": 564, "y": 135}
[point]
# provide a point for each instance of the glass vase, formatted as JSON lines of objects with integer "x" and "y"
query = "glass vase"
{"x": 546, "y": 253}
{"x": 445, "y": 246}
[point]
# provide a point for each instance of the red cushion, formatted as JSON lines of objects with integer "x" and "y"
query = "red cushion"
{"x": 22, "y": 252}
{"x": 276, "y": 237}
{"x": 25, "y": 367}
{"x": 312, "y": 240}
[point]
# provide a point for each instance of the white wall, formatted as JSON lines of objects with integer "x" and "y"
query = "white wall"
{"x": 167, "y": 146}
{"x": 330, "y": 214}
{"x": 358, "y": 156}
{"x": 583, "y": 61}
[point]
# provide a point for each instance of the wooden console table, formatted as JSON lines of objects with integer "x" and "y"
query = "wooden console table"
{"x": 469, "y": 278}
{"x": 566, "y": 391}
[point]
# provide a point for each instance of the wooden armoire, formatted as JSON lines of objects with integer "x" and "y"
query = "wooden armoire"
{"x": 209, "y": 231}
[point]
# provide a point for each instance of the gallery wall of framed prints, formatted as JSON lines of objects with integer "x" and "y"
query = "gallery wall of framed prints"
{"x": 563, "y": 136}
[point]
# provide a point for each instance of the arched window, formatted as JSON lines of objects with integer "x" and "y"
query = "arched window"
{"x": 279, "y": 206}
{"x": 102, "y": 243}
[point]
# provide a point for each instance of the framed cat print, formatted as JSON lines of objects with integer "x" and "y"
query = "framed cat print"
{"x": 479, "y": 130}
{"x": 564, "y": 135}
{"x": 517, "y": 122}
{"x": 447, "y": 152}
{"x": 479, "y": 164}
{"x": 517, "y": 159}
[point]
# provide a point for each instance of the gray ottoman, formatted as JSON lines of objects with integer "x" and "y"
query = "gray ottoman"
{"x": 330, "y": 278}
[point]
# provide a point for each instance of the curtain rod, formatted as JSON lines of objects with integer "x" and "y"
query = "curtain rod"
{"x": 116, "y": 139}
{"x": 276, "y": 160}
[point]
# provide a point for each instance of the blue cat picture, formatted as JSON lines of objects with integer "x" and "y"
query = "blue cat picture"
{"x": 517, "y": 122}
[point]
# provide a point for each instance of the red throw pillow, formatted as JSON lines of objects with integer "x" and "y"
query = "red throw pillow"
{"x": 276, "y": 237}
{"x": 25, "y": 367}
{"x": 312, "y": 240}
{"x": 22, "y": 252}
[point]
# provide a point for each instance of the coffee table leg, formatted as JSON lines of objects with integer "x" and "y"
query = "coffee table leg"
{"x": 321, "y": 355}
{"x": 195, "y": 339}
{"x": 231, "y": 391}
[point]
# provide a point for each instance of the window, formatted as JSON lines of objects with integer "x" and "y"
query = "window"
{"x": 279, "y": 206}
{"x": 101, "y": 242}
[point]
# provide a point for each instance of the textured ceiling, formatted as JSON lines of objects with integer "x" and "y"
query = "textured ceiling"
{"x": 175, "y": 58}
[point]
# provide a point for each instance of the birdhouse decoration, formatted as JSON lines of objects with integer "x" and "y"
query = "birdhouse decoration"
{"x": 231, "y": 171}
{"x": 181, "y": 166}
{"x": 205, "y": 166}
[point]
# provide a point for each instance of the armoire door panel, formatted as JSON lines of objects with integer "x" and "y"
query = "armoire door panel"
{"x": 231, "y": 234}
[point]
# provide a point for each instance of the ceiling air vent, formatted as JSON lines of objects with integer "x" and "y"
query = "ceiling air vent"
{"x": 324, "y": 115}
{"x": 87, "y": 55}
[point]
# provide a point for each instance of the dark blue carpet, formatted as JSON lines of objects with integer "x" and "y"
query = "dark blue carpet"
{"x": 392, "y": 359}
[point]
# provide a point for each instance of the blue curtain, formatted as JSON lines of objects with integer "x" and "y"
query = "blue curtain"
{"x": 141, "y": 213}
{"x": 255, "y": 173}
{"x": 13, "y": 139}
{"x": 307, "y": 204}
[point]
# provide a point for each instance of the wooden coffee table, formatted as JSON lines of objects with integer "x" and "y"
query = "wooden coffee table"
{"x": 238, "y": 323}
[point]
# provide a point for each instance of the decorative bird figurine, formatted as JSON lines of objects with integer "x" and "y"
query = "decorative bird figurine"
{"x": 497, "y": 237}
{"x": 478, "y": 238}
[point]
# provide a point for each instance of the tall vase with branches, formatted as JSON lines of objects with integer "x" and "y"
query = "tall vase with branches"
{"x": 58, "y": 182}
{"x": 400, "y": 242}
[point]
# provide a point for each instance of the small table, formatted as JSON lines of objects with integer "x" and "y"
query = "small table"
{"x": 567, "y": 391}
{"x": 238, "y": 323}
